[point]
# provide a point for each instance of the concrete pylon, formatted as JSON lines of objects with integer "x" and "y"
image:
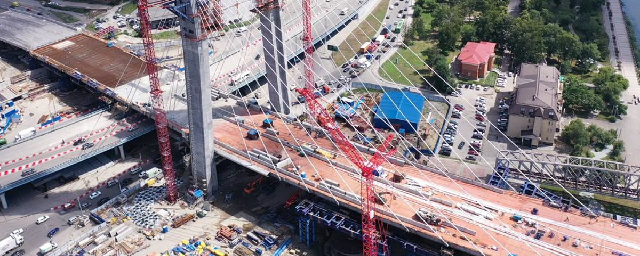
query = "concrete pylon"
{"x": 199, "y": 104}
{"x": 273, "y": 48}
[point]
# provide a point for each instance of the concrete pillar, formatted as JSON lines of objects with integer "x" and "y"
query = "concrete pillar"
{"x": 273, "y": 48}
{"x": 121, "y": 149}
{"x": 3, "y": 200}
{"x": 196, "y": 59}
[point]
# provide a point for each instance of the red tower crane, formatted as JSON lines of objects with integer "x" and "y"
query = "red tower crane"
{"x": 370, "y": 236}
{"x": 157, "y": 102}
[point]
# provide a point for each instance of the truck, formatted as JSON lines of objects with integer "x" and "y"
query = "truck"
{"x": 47, "y": 247}
{"x": 379, "y": 39}
{"x": 26, "y": 133}
{"x": 10, "y": 243}
{"x": 365, "y": 47}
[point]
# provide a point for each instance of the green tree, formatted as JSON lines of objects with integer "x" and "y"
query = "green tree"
{"x": 448, "y": 36}
{"x": 600, "y": 138}
{"x": 576, "y": 135}
{"x": 551, "y": 33}
{"x": 616, "y": 151}
{"x": 589, "y": 56}
{"x": 568, "y": 46}
{"x": 578, "y": 96}
{"x": 441, "y": 66}
{"x": 609, "y": 86}
{"x": 494, "y": 26}
{"x": 468, "y": 34}
{"x": 421, "y": 30}
{"x": 527, "y": 41}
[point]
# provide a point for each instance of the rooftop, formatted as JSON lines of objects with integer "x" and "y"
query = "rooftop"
{"x": 537, "y": 90}
{"x": 401, "y": 106}
{"x": 28, "y": 32}
{"x": 476, "y": 53}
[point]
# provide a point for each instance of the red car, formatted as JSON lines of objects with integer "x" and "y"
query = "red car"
{"x": 475, "y": 147}
{"x": 458, "y": 107}
{"x": 473, "y": 152}
{"x": 480, "y": 118}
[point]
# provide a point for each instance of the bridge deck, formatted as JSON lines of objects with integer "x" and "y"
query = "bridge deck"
{"x": 110, "y": 66}
{"x": 601, "y": 235}
{"x": 28, "y": 31}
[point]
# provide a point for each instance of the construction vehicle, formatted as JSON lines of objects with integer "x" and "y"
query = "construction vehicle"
{"x": 292, "y": 199}
{"x": 380, "y": 197}
{"x": 424, "y": 214}
{"x": 10, "y": 243}
{"x": 251, "y": 186}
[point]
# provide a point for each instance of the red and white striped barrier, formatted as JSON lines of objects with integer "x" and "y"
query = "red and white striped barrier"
{"x": 20, "y": 168}
{"x": 92, "y": 189}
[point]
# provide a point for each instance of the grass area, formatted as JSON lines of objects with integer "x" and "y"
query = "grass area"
{"x": 611, "y": 204}
{"x": 90, "y": 27}
{"x": 489, "y": 80}
{"x": 363, "y": 33}
{"x": 64, "y": 17}
{"x": 404, "y": 70}
{"x": 128, "y": 8}
{"x": 166, "y": 35}
{"x": 69, "y": 8}
{"x": 409, "y": 60}
{"x": 241, "y": 24}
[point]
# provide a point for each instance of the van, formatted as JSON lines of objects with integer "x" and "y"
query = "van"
{"x": 135, "y": 170}
{"x": 344, "y": 11}
{"x": 241, "y": 77}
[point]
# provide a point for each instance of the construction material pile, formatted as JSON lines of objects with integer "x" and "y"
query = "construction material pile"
{"x": 141, "y": 213}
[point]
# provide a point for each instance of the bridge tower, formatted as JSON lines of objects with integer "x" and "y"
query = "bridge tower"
{"x": 198, "y": 20}
{"x": 273, "y": 48}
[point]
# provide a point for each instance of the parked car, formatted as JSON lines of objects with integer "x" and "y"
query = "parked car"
{"x": 461, "y": 145}
{"x": 17, "y": 231}
{"x": 95, "y": 195}
{"x": 445, "y": 152}
{"x": 486, "y": 88}
{"x": 53, "y": 232}
{"x": 480, "y": 118}
{"x": 454, "y": 122}
{"x": 344, "y": 65}
{"x": 478, "y": 130}
{"x": 20, "y": 252}
{"x": 473, "y": 152}
{"x": 85, "y": 205}
{"x": 126, "y": 182}
{"x": 455, "y": 115}
{"x": 471, "y": 158}
{"x": 42, "y": 219}
{"x": 458, "y": 107}
{"x": 482, "y": 124}
{"x": 477, "y": 136}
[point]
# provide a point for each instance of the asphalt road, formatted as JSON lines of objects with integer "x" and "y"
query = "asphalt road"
{"x": 36, "y": 235}
{"x": 49, "y": 150}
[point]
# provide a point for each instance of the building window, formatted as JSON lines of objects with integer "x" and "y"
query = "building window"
{"x": 547, "y": 138}
{"x": 529, "y": 120}
{"x": 522, "y": 111}
{"x": 549, "y": 122}
{"x": 527, "y": 127}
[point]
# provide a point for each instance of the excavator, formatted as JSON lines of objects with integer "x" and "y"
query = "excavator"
{"x": 251, "y": 186}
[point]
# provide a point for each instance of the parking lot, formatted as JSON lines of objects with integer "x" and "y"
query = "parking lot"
{"x": 471, "y": 104}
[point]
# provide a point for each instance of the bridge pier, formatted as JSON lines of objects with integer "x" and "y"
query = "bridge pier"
{"x": 3, "y": 200}
{"x": 120, "y": 150}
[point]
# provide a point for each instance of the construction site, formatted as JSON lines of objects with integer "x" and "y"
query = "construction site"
{"x": 236, "y": 158}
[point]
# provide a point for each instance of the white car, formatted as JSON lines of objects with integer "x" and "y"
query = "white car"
{"x": 95, "y": 195}
{"x": 17, "y": 231}
{"x": 42, "y": 219}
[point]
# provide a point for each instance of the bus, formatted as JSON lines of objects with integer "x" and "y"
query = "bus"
{"x": 399, "y": 27}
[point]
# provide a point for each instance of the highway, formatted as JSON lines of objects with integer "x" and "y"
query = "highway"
{"x": 47, "y": 151}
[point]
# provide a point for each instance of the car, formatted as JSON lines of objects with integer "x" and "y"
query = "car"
{"x": 85, "y": 205}
{"x": 396, "y": 3}
{"x": 481, "y": 113}
{"x": 446, "y": 146}
{"x": 458, "y": 107}
{"x": 17, "y": 231}
{"x": 346, "y": 70}
{"x": 452, "y": 126}
{"x": 95, "y": 195}
{"x": 393, "y": 39}
{"x": 481, "y": 124}
{"x": 471, "y": 158}
{"x": 472, "y": 152}
{"x": 454, "y": 122}
{"x": 103, "y": 201}
{"x": 28, "y": 172}
{"x": 455, "y": 115}
{"x": 478, "y": 87}
{"x": 461, "y": 145}
{"x": 20, "y": 252}
{"x": 481, "y": 98}
{"x": 387, "y": 16}
{"x": 510, "y": 74}
{"x": 344, "y": 65}
{"x": 42, "y": 219}
{"x": 475, "y": 147}
{"x": 486, "y": 88}
{"x": 53, "y": 232}
{"x": 480, "y": 118}
{"x": 399, "y": 11}
{"x": 477, "y": 136}
{"x": 451, "y": 132}
{"x": 123, "y": 190}
{"x": 112, "y": 182}
{"x": 391, "y": 7}
{"x": 377, "y": 57}
{"x": 69, "y": 206}
{"x": 39, "y": 13}
{"x": 87, "y": 145}
{"x": 445, "y": 152}
{"x": 466, "y": 86}
{"x": 142, "y": 175}
{"x": 135, "y": 170}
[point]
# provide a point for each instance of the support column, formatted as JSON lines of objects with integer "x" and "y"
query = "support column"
{"x": 273, "y": 48}
{"x": 199, "y": 105}
{"x": 3, "y": 200}
{"x": 121, "y": 149}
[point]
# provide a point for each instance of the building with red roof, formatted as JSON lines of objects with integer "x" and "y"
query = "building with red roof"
{"x": 475, "y": 59}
